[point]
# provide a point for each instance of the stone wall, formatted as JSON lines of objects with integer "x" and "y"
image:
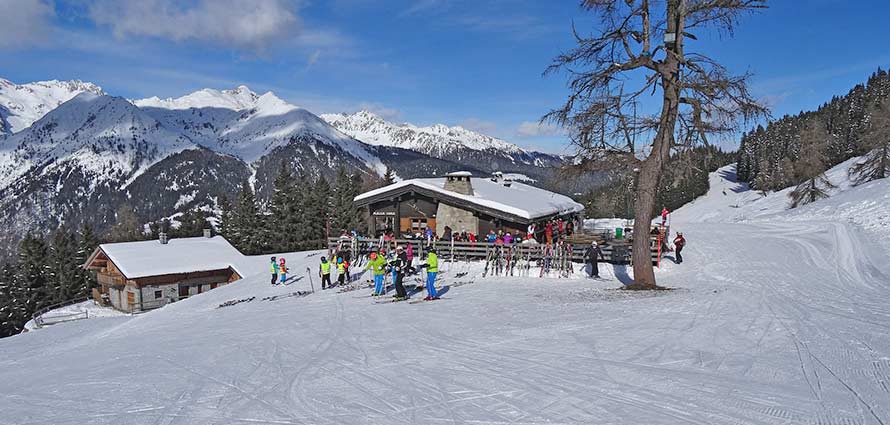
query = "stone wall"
{"x": 457, "y": 219}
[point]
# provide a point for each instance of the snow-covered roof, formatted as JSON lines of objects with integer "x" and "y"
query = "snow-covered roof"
{"x": 184, "y": 255}
{"x": 460, "y": 174}
{"x": 518, "y": 199}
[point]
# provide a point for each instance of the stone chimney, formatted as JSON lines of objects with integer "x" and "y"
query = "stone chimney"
{"x": 208, "y": 233}
{"x": 459, "y": 182}
{"x": 162, "y": 237}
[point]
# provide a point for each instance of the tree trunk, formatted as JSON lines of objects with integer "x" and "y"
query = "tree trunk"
{"x": 651, "y": 169}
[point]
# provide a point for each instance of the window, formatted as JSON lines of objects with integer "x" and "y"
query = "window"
{"x": 418, "y": 224}
{"x": 131, "y": 298}
{"x": 158, "y": 294}
{"x": 183, "y": 291}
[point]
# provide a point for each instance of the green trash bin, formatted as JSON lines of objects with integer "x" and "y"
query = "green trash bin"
{"x": 619, "y": 232}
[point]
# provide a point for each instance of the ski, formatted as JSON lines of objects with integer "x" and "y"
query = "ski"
{"x": 236, "y": 302}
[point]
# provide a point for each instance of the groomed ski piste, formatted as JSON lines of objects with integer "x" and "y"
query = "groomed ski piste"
{"x": 777, "y": 317}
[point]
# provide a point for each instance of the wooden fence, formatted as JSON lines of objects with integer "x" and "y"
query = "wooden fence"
{"x": 615, "y": 251}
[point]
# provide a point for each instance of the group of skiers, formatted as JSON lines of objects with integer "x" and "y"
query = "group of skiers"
{"x": 279, "y": 271}
{"x": 399, "y": 265}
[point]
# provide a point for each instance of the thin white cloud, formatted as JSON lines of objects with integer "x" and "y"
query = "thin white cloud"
{"x": 25, "y": 23}
{"x": 419, "y": 6}
{"x": 480, "y": 126}
{"x": 252, "y": 25}
{"x": 537, "y": 129}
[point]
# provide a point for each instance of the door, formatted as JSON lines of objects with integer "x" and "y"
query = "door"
{"x": 131, "y": 300}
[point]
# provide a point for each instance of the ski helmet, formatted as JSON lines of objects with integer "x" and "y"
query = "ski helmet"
{"x": 281, "y": 260}
{"x": 432, "y": 250}
{"x": 339, "y": 260}
{"x": 593, "y": 243}
{"x": 373, "y": 255}
{"x": 324, "y": 259}
{"x": 399, "y": 248}
{"x": 273, "y": 259}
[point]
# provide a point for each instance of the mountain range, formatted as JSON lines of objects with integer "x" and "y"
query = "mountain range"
{"x": 71, "y": 153}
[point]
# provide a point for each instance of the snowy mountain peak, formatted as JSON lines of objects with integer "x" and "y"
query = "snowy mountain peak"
{"x": 437, "y": 140}
{"x": 23, "y": 104}
{"x": 236, "y": 99}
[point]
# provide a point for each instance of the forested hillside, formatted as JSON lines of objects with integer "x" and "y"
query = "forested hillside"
{"x": 798, "y": 148}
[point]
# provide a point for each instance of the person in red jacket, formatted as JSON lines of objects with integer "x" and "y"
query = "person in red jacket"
{"x": 679, "y": 243}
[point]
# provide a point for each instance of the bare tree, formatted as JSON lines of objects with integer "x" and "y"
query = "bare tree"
{"x": 626, "y": 61}
{"x": 809, "y": 169}
{"x": 876, "y": 163}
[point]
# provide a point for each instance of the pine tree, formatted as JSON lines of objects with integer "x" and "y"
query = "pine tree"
{"x": 11, "y": 319}
{"x": 126, "y": 227}
{"x": 225, "y": 218}
{"x": 87, "y": 242}
{"x": 809, "y": 170}
{"x": 64, "y": 279}
{"x": 32, "y": 276}
{"x": 876, "y": 163}
{"x": 388, "y": 177}
{"x": 284, "y": 214}
{"x": 341, "y": 201}
{"x": 191, "y": 224}
{"x": 318, "y": 207}
{"x": 246, "y": 226}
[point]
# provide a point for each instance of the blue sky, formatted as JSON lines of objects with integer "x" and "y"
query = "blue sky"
{"x": 471, "y": 63}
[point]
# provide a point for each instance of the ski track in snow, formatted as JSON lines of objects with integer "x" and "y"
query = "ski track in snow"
{"x": 779, "y": 322}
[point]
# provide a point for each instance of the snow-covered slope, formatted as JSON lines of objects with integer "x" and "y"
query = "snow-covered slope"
{"x": 727, "y": 200}
{"x": 744, "y": 340}
{"x": 22, "y": 104}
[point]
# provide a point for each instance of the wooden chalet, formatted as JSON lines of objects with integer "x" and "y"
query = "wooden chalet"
{"x": 139, "y": 276}
{"x": 463, "y": 203}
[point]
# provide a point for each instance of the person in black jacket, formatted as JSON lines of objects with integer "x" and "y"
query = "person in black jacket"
{"x": 592, "y": 256}
{"x": 400, "y": 266}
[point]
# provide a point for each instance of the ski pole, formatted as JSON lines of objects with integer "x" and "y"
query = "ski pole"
{"x": 312, "y": 285}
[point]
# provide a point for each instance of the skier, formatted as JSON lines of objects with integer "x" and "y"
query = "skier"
{"x": 548, "y": 233}
{"x": 492, "y": 236}
{"x": 409, "y": 254}
{"x": 282, "y": 270}
{"x": 679, "y": 243}
{"x": 664, "y": 215}
{"x": 324, "y": 270}
{"x": 508, "y": 238}
{"x": 341, "y": 271}
{"x": 398, "y": 267}
{"x": 432, "y": 269}
{"x": 274, "y": 269}
{"x": 592, "y": 256}
{"x": 377, "y": 265}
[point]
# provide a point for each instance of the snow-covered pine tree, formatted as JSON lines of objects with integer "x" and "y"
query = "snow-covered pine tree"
{"x": 809, "y": 169}
{"x": 876, "y": 163}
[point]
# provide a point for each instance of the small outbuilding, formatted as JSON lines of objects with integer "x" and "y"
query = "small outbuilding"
{"x": 463, "y": 203}
{"x": 139, "y": 276}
